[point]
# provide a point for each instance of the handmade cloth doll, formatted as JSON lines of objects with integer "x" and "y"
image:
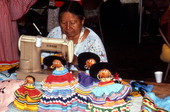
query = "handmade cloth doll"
{"x": 86, "y": 82}
{"x": 7, "y": 89}
{"x": 107, "y": 96}
{"x": 58, "y": 87}
{"x": 27, "y": 96}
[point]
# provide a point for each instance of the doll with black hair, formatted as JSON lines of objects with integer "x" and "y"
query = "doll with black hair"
{"x": 58, "y": 87}
{"x": 108, "y": 95}
{"x": 27, "y": 96}
{"x": 86, "y": 81}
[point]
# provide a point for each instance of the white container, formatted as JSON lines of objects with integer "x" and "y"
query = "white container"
{"x": 158, "y": 76}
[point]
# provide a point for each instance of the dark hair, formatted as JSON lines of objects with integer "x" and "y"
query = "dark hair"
{"x": 94, "y": 70}
{"x": 72, "y": 7}
{"x": 48, "y": 61}
{"x": 83, "y": 57}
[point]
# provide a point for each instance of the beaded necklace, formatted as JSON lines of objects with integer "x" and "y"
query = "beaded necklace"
{"x": 76, "y": 46}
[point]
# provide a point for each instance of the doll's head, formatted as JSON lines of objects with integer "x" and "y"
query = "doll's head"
{"x": 102, "y": 71}
{"x": 54, "y": 61}
{"x": 104, "y": 75}
{"x": 87, "y": 59}
{"x": 57, "y": 63}
{"x": 30, "y": 79}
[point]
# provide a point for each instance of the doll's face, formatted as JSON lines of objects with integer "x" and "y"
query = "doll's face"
{"x": 90, "y": 62}
{"x": 29, "y": 80}
{"x": 57, "y": 63}
{"x": 104, "y": 73}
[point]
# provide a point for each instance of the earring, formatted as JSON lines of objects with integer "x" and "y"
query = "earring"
{"x": 85, "y": 66}
{"x": 98, "y": 77}
{"x": 52, "y": 67}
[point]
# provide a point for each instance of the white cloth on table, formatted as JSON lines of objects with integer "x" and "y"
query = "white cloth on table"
{"x": 136, "y": 104}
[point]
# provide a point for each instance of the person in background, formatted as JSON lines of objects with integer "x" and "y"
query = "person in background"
{"x": 11, "y": 11}
{"x": 71, "y": 21}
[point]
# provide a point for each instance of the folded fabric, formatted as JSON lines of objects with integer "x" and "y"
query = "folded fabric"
{"x": 141, "y": 86}
{"x": 7, "y": 89}
{"x": 152, "y": 103}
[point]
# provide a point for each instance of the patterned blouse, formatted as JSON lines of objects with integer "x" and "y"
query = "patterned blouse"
{"x": 92, "y": 43}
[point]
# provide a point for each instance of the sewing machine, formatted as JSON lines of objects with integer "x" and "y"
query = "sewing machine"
{"x": 30, "y": 54}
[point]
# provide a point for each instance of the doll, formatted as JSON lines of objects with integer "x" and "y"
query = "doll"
{"x": 27, "y": 96}
{"x": 108, "y": 95}
{"x": 86, "y": 82}
{"x": 86, "y": 60}
{"x": 58, "y": 87}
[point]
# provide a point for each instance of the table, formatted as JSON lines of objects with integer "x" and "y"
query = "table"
{"x": 160, "y": 89}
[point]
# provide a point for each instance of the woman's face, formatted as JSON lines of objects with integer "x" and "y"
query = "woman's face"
{"x": 71, "y": 25}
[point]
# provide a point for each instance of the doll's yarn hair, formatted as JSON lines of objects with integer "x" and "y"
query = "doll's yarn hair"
{"x": 48, "y": 61}
{"x": 94, "y": 70}
{"x": 83, "y": 57}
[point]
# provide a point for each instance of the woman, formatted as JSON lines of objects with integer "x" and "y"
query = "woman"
{"x": 71, "y": 21}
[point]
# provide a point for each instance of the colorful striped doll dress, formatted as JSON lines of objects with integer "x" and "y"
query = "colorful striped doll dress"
{"x": 27, "y": 96}
{"x": 108, "y": 96}
{"x": 59, "y": 95}
{"x": 86, "y": 81}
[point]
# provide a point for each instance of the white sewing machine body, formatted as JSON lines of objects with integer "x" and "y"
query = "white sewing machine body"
{"x": 30, "y": 54}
